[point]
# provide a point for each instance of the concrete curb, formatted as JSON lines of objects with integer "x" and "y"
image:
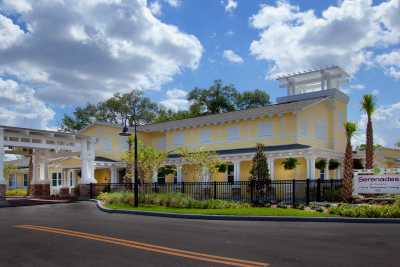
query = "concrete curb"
{"x": 250, "y": 218}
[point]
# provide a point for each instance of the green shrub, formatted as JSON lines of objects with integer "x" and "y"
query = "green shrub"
{"x": 16, "y": 192}
{"x": 173, "y": 200}
{"x": 367, "y": 211}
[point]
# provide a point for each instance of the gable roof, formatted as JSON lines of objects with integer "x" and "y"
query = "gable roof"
{"x": 248, "y": 114}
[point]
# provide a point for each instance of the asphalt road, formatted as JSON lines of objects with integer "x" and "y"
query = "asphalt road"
{"x": 275, "y": 243}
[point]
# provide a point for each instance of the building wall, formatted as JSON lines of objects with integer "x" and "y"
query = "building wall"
{"x": 103, "y": 175}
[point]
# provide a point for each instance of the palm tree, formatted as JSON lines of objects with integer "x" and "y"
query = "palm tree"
{"x": 347, "y": 191}
{"x": 368, "y": 105}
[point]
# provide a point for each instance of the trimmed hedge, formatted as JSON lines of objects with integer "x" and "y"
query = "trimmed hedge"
{"x": 20, "y": 192}
{"x": 368, "y": 211}
{"x": 172, "y": 200}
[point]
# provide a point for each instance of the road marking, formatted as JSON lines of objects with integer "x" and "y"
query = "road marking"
{"x": 147, "y": 247}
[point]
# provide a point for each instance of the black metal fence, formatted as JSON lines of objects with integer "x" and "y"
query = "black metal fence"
{"x": 276, "y": 191}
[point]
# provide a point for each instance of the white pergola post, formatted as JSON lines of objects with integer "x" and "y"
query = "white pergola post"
{"x": 236, "y": 171}
{"x": 2, "y": 178}
{"x": 44, "y": 171}
{"x": 339, "y": 172}
{"x": 271, "y": 167}
{"x": 114, "y": 174}
{"x": 179, "y": 176}
{"x": 311, "y": 167}
{"x": 35, "y": 167}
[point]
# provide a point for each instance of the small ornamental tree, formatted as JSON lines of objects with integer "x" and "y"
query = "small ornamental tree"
{"x": 202, "y": 159}
{"x": 333, "y": 164}
{"x": 321, "y": 165}
{"x": 259, "y": 170}
{"x": 290, "y": 164}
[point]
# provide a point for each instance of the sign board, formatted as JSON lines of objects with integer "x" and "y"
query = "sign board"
{"x": 377, "y": 184}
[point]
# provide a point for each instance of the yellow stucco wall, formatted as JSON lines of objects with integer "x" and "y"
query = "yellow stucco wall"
{"x": 102, "y": 175}
{"x": 299, "y": 173}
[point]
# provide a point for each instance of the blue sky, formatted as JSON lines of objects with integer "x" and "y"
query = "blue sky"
{"x": 57, "y": 60}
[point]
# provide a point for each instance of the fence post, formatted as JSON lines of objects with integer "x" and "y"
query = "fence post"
{"x": 182, "y": 187}
{"x": 252, "y": 191}
{"x": 331, "y": 185}
{"x": 215, "y": 190}
{"x": 318, "y": 190}
{"x": 293, "y": 192}
{"x": 308, "y": 192}
{"x": 91, "y": 190}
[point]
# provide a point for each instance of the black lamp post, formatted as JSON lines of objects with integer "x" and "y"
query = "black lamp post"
{"x": 126, "y": 132}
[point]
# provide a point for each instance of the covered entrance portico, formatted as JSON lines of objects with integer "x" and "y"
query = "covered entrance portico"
{"x": 42, "y": 146}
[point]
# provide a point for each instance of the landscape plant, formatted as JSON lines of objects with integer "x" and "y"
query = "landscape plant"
{"x": 347, "y": 191}
{"x": 290, "y": 164}
{"x": 368, "y": 105}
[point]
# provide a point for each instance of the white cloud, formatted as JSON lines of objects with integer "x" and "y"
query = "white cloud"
{"x": 79, "y": 51}
{"x": 174, "y": 3}
{"x": 20, "y": 6}
{"x": 231, "y": 56}
{"x": 230, "y": 6}
{"x": 386, "y": 124}
{"x": 155, "y": 8}
{"x": 19, "y": 106}
{"x": 10, "y": 34}
{"x": 176, "y": 100}
{"x": 375, "y": 92}
{"x": 230, "y": 33}
{"x": 357, "y": 86}
{"x": 291, "y": 39}
{"x": 390, "y": 63}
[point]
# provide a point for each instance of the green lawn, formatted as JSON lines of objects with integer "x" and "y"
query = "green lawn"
{"x": 237, "y": 211}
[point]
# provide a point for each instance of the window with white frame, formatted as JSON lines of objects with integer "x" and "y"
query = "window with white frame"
{"x": 321, "y": 130}
{"x": 26, "y": 179}
{"x": 205, "y": 136}
{"x": 233, "y": 134}
{"x": 12, "y": 181}
{"x": 106, "y": 144}
{"x": 340, "y": 120}
{"x": 264, "y": 129}
{"x": 304, "y": 128}
{"x": 160, "y": 143}
{"x": 178, "y": 139}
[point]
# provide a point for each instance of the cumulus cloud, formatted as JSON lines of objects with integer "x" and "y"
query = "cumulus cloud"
{"x": 155, "y": 8}
{"x": 390, "y": 63}
{"x": 231, "y": 56}
{"x": 176, "y": 100}
{"x": 291, "y": 39}
{"x": 386, "y": 123}
{"x": 79, "y": 51}
{"x": 357, "y": 86}
{"x": 230, "y": 6}
{"x": 19, "y": 106}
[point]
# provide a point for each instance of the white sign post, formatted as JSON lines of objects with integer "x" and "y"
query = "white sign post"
{"x": 376, "y": 183}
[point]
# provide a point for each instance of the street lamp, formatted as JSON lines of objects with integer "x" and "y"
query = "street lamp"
{"x": 126, "y": 132}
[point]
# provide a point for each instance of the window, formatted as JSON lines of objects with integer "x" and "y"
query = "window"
{"x": 320, "y": 130}
{"x": 71, "y": 182}
{"x": 231, "y": 173}
{"x": 106, "y": 144}
{"x": 178, "y": 139}
{"x": 340, "y": 120}
{"x": 304, "y": 128}
{"x": 26, "y": 180}
{"x": 12, "y": 180}
{"x": 54, "y": 179}
{"x": 233, "y": 133}
{"x": 160, "y": 143}
{"x": 264, "y": 129}
{"x": 205, "y": 136}
{"x": 123, "y": 143}
{"x": 60, "y": 178}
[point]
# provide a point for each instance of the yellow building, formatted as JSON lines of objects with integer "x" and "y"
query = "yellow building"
{"x": 384, "y": 157}
{"x": 307, "y": 124}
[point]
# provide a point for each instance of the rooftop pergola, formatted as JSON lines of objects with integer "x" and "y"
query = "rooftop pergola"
{"x": 313, "y": 80}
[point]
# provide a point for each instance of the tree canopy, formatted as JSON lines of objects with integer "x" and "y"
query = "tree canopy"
{"x": 217, "y": 98}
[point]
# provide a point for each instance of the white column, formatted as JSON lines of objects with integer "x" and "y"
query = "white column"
{"x": 114, "y": 174}
{"x": 271, "y": 167}
{"x": 205, "y": 174}
{"x": 236, "y": 171}
{"x": 2, "y": 179}
{"x": 327, "y": 177}
{"x": 87, "y": 168}
{"x": 35, "y": 167}
{"x": 311, "y": 167}
{"x": 155, "y": 175}
{"x": 43, "y": 170}
{"x": 179, "y": 177}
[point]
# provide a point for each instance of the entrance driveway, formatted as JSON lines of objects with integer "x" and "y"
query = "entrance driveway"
{"x": 28, "y": 238}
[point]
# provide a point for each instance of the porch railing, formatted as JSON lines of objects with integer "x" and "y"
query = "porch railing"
{"x": 282, "y": 191}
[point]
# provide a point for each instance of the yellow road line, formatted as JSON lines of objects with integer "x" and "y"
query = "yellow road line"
{"x": 147, "y": 247}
